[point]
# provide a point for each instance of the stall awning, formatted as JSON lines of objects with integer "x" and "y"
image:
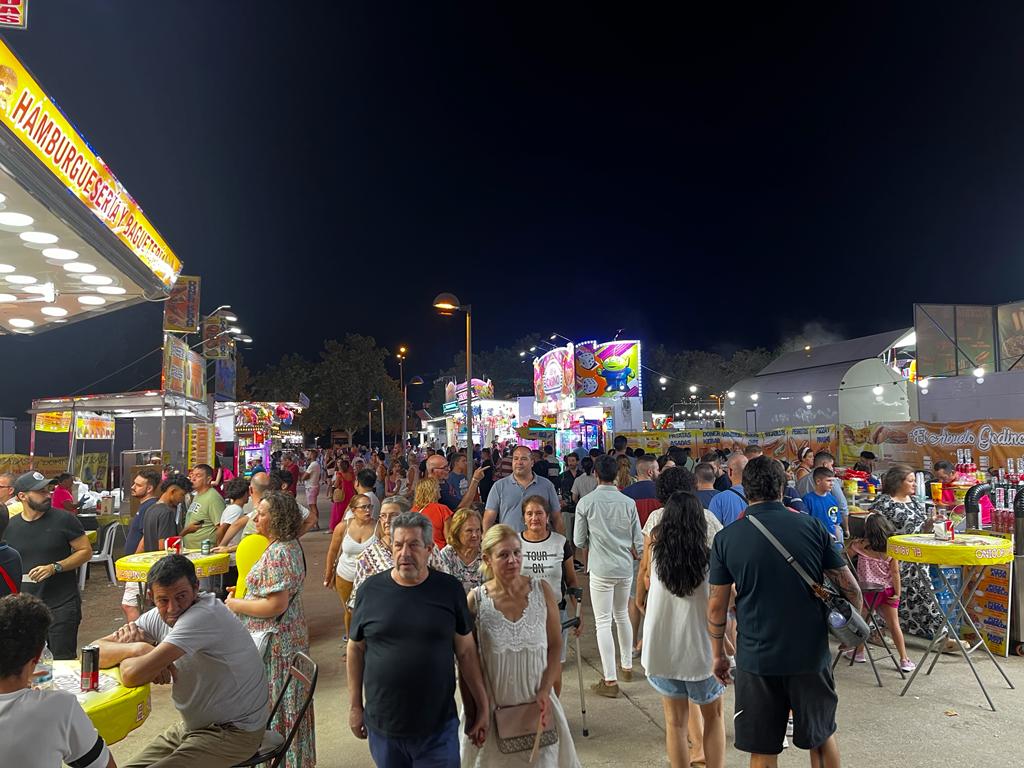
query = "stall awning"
{"x": 127, "y": 405}
{"x": 73, "y": 242}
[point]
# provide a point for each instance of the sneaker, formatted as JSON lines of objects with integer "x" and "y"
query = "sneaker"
{"x": 907, "y": 665}
{"x": 626, "y": 675}
{"x": 608, "y": 690}
{"x": 789, "y": 727}
{"x": 858, "y": 657}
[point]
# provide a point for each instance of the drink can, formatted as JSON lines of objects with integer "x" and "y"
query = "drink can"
{"x": 1011, "y": 496}
{"x": 206, "y": 546}
{"x": 173, "y": 545}
{"x": 1000, "y": 497}
{"x": 90, "y": 668}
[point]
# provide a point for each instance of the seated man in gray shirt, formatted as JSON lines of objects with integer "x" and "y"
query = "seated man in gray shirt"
{"x": 218, "y": 681}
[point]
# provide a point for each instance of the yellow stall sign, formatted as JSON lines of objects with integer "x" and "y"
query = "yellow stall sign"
{"x": 42, "y": 128}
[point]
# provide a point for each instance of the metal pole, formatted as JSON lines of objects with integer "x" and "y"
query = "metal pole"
{"x": 369, "y": 427}
{"x": 383, "y": 444}
{"x": 405, "y": 413}
{"x": 469, "y": 387}
{"x": 405, "y": 403}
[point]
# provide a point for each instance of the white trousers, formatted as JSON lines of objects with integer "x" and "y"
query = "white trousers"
{"x": 610, "y": 599}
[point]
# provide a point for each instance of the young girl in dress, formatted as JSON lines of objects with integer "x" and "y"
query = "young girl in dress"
{"x": 876, "y": 568}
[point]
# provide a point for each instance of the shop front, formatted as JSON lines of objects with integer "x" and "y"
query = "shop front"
{"x": 252, "y": 432}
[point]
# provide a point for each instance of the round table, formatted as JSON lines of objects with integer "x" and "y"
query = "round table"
{"x": 115, "y": 710}
{"x": 974, "y": 550}
{"x": 136, "y": 567}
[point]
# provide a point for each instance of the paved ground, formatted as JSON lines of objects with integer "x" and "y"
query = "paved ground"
{"x": 943, "y": 718}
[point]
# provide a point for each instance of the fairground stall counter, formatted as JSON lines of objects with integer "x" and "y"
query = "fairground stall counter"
{"x": 73, "y": 242}
{"x": 151, "y": 428}
{"x": 254, "y": 431}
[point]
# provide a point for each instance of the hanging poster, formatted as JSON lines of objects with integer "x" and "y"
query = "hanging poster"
{"x": 94, "y": 426}
{"x": 90, "y": 467}
{"x": 554, "y": 381}
{"x": 224, "y": 380}
{"x": 181, "y": 310}
{"x": 57, "y": 421}
{"x": 912, "y": 442}
{"x": 184, "y": 371}
{"x": 200, "y": 444}
{"x": 216, "y": 339}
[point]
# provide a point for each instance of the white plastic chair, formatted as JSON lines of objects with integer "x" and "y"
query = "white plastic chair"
{"x": 105, "y": 555}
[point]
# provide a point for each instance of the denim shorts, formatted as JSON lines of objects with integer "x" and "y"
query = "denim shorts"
{"x": 698, "y": 691}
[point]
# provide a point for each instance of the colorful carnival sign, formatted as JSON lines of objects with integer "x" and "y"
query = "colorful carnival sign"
{"x": 921, "y": 444}
{"x": 200, "y": 444}
{"x": 611, "y": 369}
{"x": 14, "y": 14}
{"x": 57, "y": 421}
{"x": 554, "y": 380}
{"x": 778, "y": 443}
{"x": 44, "y": 130}
{"x": 184, "y": 371}
{"x": 87, "y": 465}
{"x": 216, "y": 340}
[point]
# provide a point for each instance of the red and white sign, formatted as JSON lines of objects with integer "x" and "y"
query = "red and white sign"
{"x": 14, "y": 14}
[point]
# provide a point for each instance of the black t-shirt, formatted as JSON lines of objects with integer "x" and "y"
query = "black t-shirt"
{"x": 409, "y": 672}
{"x": 722, "y": 483}
{"x": 10, "y": 561}
{"x": 134, "y": 535}
{"x": 42, "y": 541}
{"x": 565, "y": 481}
{"x": 158, "y": 523}
{"x": 781, "y": 624}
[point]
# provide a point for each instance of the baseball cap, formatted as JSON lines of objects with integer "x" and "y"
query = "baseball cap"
{"x": 30, "y": 481}
{"x": 869, "y": 455}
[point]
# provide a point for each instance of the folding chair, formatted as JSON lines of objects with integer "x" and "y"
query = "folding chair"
{"x": 105, "y": 555}
{"x": 274, "y": 747}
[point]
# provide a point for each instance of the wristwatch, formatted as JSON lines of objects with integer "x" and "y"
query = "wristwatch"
{"x": 58, "y": 568}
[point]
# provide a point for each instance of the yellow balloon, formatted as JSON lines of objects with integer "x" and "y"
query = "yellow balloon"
{"x": 250, "y": 550}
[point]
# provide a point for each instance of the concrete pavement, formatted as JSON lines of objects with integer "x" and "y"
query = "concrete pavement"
{"x": 943, "y": 718}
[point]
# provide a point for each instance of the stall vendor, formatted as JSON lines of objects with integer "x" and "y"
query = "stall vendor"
{"x": 947, "y": 475}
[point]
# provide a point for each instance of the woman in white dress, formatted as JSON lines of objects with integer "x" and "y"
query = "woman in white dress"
{"x": 519, "y": 636}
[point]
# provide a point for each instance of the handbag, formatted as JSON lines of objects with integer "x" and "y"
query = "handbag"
{"x": 338, "y": 495}
{"x": 844, "y": 623}
{"x": 518, "y": 727}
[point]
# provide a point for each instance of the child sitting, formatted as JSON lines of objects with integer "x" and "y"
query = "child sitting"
{"x": 822, "y": 504}
{"x": 876, "y": 569}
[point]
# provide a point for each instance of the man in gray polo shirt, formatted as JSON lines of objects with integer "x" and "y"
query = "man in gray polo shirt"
{"x": 505, "y": 501}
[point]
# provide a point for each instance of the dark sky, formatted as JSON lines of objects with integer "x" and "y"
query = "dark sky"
{"x": 700, "y": 182}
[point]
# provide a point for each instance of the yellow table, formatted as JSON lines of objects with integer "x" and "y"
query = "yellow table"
{"x": 136, "y": 567}
{"x": 115, "y": 710}
{"x": 92, "y": 536}
{"x": 974, "y": 550}
{"x": 105, "y": 519}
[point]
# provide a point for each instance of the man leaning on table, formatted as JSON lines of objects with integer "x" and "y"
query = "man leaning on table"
{"x": 39, "y": 729}
{"x": 218, "y": 683}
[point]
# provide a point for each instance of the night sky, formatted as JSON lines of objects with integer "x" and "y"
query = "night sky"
{"x": 703, "y": 183}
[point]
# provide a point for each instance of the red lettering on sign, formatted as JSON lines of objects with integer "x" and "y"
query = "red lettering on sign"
{"x": 30, "y": 121}
{"x": 90, "y": 189}
{"x": 23, "y": 105}
{"x": 42, "y": 130}
{"x": 52, "y": 143}
{"x": 72, "y": 153}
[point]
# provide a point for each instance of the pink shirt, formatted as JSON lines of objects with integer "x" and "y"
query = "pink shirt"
{"x": 60, "y": 496}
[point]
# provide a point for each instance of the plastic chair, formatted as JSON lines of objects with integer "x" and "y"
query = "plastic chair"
{"x": 250, "y": 550}
{"x": 274, "y": 747}
{"x": 104, "y": 555}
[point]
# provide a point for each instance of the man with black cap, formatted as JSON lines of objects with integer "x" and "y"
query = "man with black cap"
{"x": 52, "y": 545}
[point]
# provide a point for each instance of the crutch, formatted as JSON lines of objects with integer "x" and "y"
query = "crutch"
{"x": 572, "y": 623}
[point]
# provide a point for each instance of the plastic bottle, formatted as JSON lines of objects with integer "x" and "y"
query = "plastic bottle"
{"x": 44, "y": 670}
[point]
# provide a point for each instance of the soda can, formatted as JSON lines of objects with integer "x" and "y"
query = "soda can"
{"x": 90, "y": 668}
{"x": 206, "y": 547}
{"x": 173, "y": 545}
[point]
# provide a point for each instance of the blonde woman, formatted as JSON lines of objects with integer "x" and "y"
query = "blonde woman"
{"x": 520, "y": 639}
{"x": 623, "y": 479}
{"x": 349, "y": 540}
{"x": 461, "y": 557}
{"x": 427, "y": 501}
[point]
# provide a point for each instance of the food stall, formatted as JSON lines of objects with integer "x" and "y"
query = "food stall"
{"x": 73, "y": 242}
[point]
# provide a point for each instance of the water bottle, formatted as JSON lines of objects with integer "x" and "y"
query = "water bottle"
{"x": 836, "y": 619}
{"x": 44, "y": 670}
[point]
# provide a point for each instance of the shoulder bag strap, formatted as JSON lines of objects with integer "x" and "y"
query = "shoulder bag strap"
{"x": 815, "y": 586}
{"x": 8, "y": 580}
{"x": 737, "y": 493}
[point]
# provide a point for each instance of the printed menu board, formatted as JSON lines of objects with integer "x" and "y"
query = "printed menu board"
{"x": 989, "y": 606}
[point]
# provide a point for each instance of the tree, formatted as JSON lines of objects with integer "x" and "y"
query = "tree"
{"x": 511, "y": 374}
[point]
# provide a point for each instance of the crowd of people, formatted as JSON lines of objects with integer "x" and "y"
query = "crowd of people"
{"x": 463, "y": 577}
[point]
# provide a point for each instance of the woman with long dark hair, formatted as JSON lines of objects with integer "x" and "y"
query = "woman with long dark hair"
{"x": 677, "y": 651}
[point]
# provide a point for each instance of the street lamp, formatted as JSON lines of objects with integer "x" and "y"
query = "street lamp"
{"x": 447, "y": 304}
{"x": 380, "y": 399}
{"x": 405, "y": 410}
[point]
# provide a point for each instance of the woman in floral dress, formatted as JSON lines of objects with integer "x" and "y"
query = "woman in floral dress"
{"x": 273, "y": 602}
{"x": 918, "y": 613}
{"x": 461, "y": 558}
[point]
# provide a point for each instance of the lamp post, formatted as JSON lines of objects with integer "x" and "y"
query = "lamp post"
{"x": 380, "y": 399}
{"x": 447, "y": 304}
{"x": 415, "y": 380}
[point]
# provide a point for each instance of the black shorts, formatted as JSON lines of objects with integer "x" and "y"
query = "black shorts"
{"x": 763, "y": 703}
